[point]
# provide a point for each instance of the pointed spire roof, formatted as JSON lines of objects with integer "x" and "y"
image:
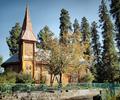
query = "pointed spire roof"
{"x": 27, "y": 32}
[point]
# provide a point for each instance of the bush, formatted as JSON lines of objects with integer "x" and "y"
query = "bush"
{"x": 23, "y": 87}
{"x": 24, "y": 78}
{"x": 6, "y": 88}
{"x": 41, "y": 87}
{"x": 87, "y": 78}
{"x": 43, "y": 81}
{"x": 8, "y": 77}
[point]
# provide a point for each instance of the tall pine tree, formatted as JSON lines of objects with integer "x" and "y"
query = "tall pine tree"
{"x": 109, "y": 55}
{"x": 115, "y": 11}
{"x": 76, "y": 33}
{"x": 85, "y": 30}
{"x": 45, "y": 35}
{"x": 65, "y": 26}
{"x": 96, "y": 47}
{"x": 12, "y": 40}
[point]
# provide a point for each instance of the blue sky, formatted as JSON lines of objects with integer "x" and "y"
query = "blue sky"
{"x": 42, "y": 12}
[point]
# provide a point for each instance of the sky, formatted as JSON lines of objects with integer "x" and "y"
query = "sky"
{"x": 42, "y": 12}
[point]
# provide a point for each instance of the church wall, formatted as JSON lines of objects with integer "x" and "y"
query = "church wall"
{"x": 41, "y": 74}
{"x": 28, "y": 49}
{"x": 13, "y": 67}
{"x": 41, "y": 71}
{"x": 28, "y": 67}
{"x": 27, "y": 57}
{"x": 37, "y": 71}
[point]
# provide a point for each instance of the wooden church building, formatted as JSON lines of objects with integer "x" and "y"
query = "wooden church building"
{"x": 28, "y": 60}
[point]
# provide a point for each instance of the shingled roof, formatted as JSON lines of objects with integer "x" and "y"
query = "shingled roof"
{"x": 27, "y": 32}
{"x": 12, "y": 59}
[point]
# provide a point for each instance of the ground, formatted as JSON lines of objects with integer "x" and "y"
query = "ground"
{"x": 69, "y": 95}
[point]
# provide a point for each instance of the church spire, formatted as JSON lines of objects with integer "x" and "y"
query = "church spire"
{"x": 27, "y": 32}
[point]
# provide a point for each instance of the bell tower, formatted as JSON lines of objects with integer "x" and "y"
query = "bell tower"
{"x": 27, "y": 45}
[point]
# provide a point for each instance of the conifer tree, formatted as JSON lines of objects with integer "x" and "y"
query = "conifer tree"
{"x": 65, "y": 26}
{"x": 115, "y": 11}
{"x": 12, "y": 40}
{"x": 96, "y": 47}
{"x": 109, "y": 55}
{"x": 85, "y": 30}
{"x": 76, "y": 33}
{"x": 44, "y": 36}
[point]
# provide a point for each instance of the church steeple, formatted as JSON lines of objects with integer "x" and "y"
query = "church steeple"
{"x": 27, "y": 45}
{"x": 27, "y": 32}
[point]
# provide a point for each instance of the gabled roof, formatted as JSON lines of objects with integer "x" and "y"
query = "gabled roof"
{"x": 27, "y": 32}
{"x": 12, "y": 59}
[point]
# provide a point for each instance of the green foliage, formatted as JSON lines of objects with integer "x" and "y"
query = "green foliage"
{"x": 107, "y": 95}
{"x": 115, "y": 11}
{"x": 109, "y": 55}
{"x": 43, "y": 80}
{"x": 96, "y": 47}
{"x": 12, "y": 40}
{"x": 11, "y": 77}
{"x": 6, "y": 88}
{"x": 45, "y": 35}
{"x": 1, "y": 59}
{"x": 87, "y": 78}
{"x": 8, "y": 77}
{"x": 24, "y": 78}
{"x": 23, "y": 87}
{"x": 65, "y": 26}
{"x": 42, "y": 87}
{"x": 77, "y": 33}
{"x": 85, "y": 30}
{"x": 76, "y": 26}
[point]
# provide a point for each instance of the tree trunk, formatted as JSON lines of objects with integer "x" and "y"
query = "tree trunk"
{"x": 78, "y": 76}
{"x": 41, "y": 74}
{"x": 51, "y": 80}
{"x": 60, "y": 82}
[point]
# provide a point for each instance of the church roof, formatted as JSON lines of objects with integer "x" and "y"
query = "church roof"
{"x": 27, "y": 32}
{"x": 12, "y": 59}
{"x": 42, "y": 55}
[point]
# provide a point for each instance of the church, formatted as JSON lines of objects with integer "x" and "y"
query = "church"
{"x": 27, "y": 60}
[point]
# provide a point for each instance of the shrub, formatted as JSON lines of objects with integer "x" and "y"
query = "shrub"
{"x": 87, "y": 78}
{"x": 41, "y": 87}
{"x": 23, "y": 87}
{"x": 6, "y": 88}
{"x": 8, "y": 77}
{"x": 24, "y": 78}
{"x": 43, "y": 81}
